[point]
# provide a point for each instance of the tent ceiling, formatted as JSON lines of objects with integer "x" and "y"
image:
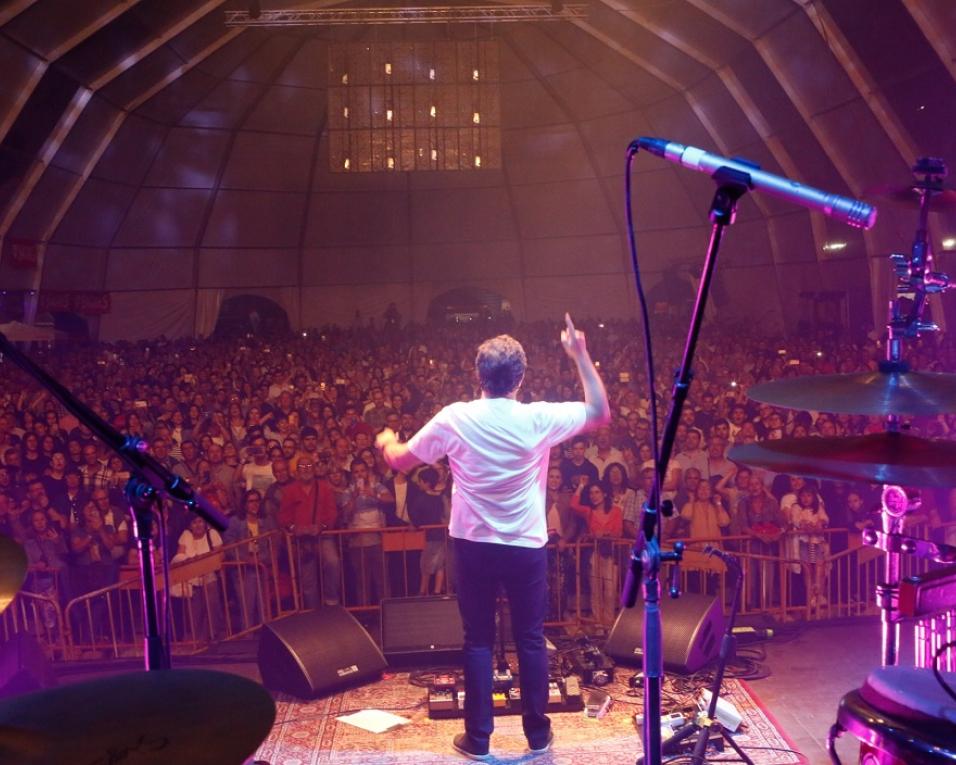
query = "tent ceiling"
{"x": 141, "y": 126}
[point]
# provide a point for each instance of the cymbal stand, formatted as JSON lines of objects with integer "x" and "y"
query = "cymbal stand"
{"x": 916, "y": 281}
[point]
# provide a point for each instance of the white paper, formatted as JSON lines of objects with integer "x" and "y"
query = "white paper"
{"x": 374, "y": 720}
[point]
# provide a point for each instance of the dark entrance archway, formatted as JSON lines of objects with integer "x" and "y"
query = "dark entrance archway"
{"x": 464, "y": 305}
{"x": 251, "y": 314}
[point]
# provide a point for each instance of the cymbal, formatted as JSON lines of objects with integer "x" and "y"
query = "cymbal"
{"x": 907, "y": 196}
{"x": 905, "y": 394}
{"x": 888, "y": 458}
{"x": 13, "y": 570}
{"x": 198, "y": 717}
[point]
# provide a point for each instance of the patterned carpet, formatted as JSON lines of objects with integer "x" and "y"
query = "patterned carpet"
{"x": 307, "y": 733}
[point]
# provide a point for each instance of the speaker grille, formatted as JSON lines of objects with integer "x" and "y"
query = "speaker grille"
{"x": 417, "y": 627}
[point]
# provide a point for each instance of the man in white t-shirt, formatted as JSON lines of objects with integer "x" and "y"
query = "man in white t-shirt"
{"x": 498, "y": 450}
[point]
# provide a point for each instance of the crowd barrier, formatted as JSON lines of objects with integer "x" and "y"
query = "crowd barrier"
{"x": 231, "y": 592}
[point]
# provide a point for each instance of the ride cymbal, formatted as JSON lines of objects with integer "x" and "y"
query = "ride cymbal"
{"x": 886, "y": 458}
{"x": 198, "y": 717}
{"x": 901, "y": 393}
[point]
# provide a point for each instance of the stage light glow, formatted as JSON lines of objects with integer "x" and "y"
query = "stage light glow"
{"x": 949, "y": 243}
{"x": 834, "y": 246}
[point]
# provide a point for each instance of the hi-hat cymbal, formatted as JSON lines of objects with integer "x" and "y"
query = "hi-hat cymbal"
{"x": 908, "y": 196}
{"x": 198, "y": 717}
{"x": 888, "y": 458}
{"x": 13, "y": 570}
{"x": 905, "y": 394}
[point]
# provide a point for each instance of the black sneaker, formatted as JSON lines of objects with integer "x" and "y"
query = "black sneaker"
{"x": 546, "y": 746}
{"x": 465, "y": 747}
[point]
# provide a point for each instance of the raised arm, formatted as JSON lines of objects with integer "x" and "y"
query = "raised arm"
{"x": 595, "y": 396}
{"x": 396, "y": 454}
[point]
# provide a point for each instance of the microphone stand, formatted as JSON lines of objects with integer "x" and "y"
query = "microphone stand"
{"x": 149, "y": 482}
{"x": 647, "y": 555}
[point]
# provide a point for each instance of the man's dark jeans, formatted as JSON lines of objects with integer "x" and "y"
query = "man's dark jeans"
{"x": 523, "y": 571}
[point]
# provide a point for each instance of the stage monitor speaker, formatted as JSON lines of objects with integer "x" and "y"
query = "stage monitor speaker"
{"x": 423, "y": 630}
{"x": 317, "y": 652}
{"x": 693, "y": 627}
{"x": 24, "y": 667}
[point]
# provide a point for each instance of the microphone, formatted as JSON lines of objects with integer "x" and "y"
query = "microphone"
{"x": 850, "y": 211}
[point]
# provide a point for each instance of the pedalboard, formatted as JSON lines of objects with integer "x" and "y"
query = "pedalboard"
{"x": 447, "y": 700}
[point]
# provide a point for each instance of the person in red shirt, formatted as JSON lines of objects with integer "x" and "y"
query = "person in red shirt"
{"x": 307, "y": 509}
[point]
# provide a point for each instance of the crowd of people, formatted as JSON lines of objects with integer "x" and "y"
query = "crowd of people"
{"x": 278, "y": 433}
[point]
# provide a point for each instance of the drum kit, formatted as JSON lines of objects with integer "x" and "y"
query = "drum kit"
{"x": 199, "y": 717}
{"x": 902, "y": 714}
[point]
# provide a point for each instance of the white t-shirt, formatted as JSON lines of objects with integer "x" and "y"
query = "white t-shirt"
{"x": 498, "y": 449}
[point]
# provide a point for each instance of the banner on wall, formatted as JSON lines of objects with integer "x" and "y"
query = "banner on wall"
{"x": 82, "y": 303}
{"x": 24, "y": 253}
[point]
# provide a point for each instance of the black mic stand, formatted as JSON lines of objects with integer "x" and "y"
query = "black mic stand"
{"x": 647, "y": 555}
{"x": 148, "y": 483}
{"x": 728, "y": 649}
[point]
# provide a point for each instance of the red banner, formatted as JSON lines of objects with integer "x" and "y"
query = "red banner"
{"x": 24, "y": 253}
{"x": 83, "y": 303}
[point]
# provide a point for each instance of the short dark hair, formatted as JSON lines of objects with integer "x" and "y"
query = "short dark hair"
{"x": 500, "y": 364}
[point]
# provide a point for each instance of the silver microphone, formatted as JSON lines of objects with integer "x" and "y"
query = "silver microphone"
{"x": 851, "y": 211}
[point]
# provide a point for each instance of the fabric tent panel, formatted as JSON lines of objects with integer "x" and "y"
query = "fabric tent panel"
{"x": 225, "y": 60}
{"x": 287, "y": 298}
{"x": 308, "y": 66}
{"x": 153, "y": 68}
{"x": 163, "y": 218}
{"x": 133, "y": 269}
{"x": 198, "y": 36}
{"x": 254, "y": 219}
{"x": 793, "y": 235}
{"x": 679, "y": 66}
{"x": 455, "y": 215}
{"x": 289, "y": 110}
{"x": 585, "y": 96}
{"x": 263, "y": 64}
{"x": 13, "y": 278}
{"x": 511, "y": 66}
{"x": 148, "y": 314}
{"x": 575, "y": 255}
{"x": 552, "y": 153}
{"x": 466, "y": 260}
{"x": 355, "y": 265}
{"x": 724, "y": 114}
{"x": 528, "y": 104}
{"x": 343, "y": 304}
{"x": 269, "y": 162}
{"x": 674, "y": 119}
{"x": 379, "y": 217}
{"x": 190, "y": 158}
{"x": 794, "y": 278}
{"x": 86, "y": 135}
{"x": 859, "y": 138}
{"x": 549, "y": 57}
{"x": 571, "y": 208}
{"x": 807, "y": 62}
{"x": 73, "y": 268}
{"x": 95, "y": 214}
{"x": 607, "y": 139}
{"x": 17, "y": 66}
{"x": 128, "y": 156}
{"x": 697, "y": 30}
{"x": 224, "y": 106}
{"x": 589, "y": 296}
{"x": 746, "y": 244}
{"x": 44, "y": 26}
{"x": 49, "y": 194}
{"x": 751, "y": 294}
{"x": 757, "y": 18}
{"x": 922, "y": 107}
{"x": 175, "y": 100}
{"x": 661, "y": 249}
{"x": 816, "y": 169}
{"x": 659, "y": 197}
{"x": 248, "y": 268}
{"x": 455, "y": 179}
